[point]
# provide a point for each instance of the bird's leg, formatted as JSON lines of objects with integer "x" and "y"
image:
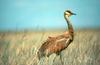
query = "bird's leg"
{"x": 61, "y": 59}
{"x": 55, "y": 56}
{"x": 47, "y": 59}
{"x": 52, "y": 58}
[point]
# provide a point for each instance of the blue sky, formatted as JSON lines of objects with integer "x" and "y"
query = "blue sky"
{"x": 44, "y": 14}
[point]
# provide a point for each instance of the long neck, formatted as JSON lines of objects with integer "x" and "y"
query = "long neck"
{"x": 70, "y": 27}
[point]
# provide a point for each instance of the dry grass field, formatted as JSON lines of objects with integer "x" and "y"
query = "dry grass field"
{"x": 19, "y": 48}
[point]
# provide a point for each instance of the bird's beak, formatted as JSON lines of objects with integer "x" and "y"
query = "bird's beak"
{"x": 73, "y": 14}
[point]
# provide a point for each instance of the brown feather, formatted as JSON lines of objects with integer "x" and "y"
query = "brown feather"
{"x": 54, "y": 45}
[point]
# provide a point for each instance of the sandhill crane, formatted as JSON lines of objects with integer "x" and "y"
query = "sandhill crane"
{"x": 58, "y": 43}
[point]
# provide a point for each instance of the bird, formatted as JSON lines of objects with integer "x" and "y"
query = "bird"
{"x": 56, "y": 44}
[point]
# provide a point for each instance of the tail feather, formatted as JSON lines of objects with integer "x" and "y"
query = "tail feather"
{"x": 40, "y": 54}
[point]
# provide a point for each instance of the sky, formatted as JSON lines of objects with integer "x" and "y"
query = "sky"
{"x": 48, "y": 14}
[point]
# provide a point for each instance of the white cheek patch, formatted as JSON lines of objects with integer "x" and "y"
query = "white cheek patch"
{"x": 67, "y": 13}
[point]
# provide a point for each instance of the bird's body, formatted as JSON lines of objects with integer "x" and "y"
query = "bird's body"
{"x": 58, "y": 43}
{"x": 54, "y": 45}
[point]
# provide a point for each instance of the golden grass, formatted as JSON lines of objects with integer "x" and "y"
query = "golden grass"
{"x": 20, "y": 48}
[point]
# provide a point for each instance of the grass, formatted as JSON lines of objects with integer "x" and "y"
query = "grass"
{"x": 19, "y": 48}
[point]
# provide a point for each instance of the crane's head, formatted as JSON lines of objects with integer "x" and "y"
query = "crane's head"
{"x": 69, "y": 13}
